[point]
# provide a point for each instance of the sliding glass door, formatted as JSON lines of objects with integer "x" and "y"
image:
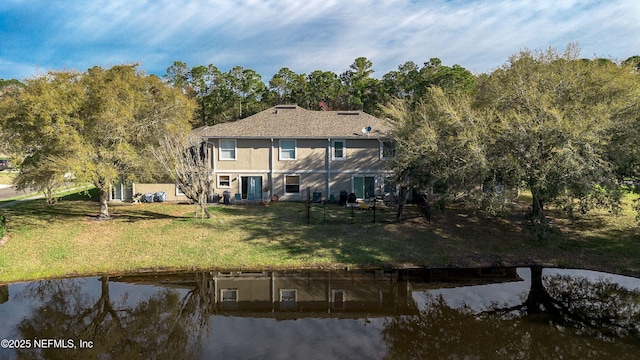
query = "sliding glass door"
{"x": 251, "y": 187}
{"x": 364, "y": 186}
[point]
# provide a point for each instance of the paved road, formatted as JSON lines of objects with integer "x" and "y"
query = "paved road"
{"x": 8, "y": 191}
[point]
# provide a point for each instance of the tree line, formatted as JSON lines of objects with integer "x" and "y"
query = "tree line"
{"x": 564, "y": 127}
{"x": 240, "y": 92}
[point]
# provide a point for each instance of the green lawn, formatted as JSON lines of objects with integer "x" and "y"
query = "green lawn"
{"x": 6, "y": 177}
{"x": 66, "y": 239}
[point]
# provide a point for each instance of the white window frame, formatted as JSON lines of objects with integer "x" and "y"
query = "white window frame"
{"x": 382, "y": 157}
{"x": 222, "y": 157}
{"x": 295, "y": 150}
{"x": 299, "y": 184}
{"x": 295, "y": 295}
{"x": 289, "y": 304}
{"x": 222, "y": 291}
{"x": 333, "y": 149}
{"x": 220, "y": 186}
{"x": 179, "y": 191}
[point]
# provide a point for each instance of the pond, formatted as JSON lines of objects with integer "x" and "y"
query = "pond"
{"x": 508, "y": 313}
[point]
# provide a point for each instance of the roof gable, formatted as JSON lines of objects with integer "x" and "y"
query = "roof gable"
{"x": 292, "y": 121}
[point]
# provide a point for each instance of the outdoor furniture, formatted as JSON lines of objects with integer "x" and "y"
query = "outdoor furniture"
{"x": 364, "y": 205}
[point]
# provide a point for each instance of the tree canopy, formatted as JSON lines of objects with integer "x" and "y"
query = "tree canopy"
{"x": 561, "y": 126}
{"x": 94, "y": 127}
{"x": 240, "y": 92}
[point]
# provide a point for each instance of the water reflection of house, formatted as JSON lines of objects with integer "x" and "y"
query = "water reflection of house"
{"x": 343, "y": 294}
{"x": 313, "y": 292}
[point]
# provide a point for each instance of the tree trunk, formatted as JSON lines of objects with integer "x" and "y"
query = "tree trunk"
{"x": 104, "y": 206}
{"x": 401, "y": 200}
{"x": 537, "y": 208}
{"x": 539, "y": 218}
{"x": 202, "y": 201}
{"x": 538, "y": 300}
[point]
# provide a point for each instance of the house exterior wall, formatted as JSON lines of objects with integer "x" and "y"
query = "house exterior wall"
{"x": 314, "y": 165}
{"x": 315, "y": 290}
{"x": 286, "y": 150}
{"x": 310, "y": 155}
{"x": 168, "y": 189}
{"x": 251, "y": 154}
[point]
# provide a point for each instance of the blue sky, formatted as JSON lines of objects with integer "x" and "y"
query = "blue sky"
{"x": 304, "y": 35}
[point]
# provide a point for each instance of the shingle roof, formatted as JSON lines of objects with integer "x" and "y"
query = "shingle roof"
{"x": 292, "y": 121}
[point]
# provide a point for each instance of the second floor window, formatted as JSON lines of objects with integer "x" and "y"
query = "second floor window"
{"x": 338, "y": 150}
{"x": 227, "y": 149}
{"x": 287, "y": 149}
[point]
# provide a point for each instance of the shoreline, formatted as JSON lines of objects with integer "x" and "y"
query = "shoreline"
{"x": 336, "y": 267}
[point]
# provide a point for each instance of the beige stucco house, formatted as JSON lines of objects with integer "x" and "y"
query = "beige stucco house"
{"x": 286, "y": 149}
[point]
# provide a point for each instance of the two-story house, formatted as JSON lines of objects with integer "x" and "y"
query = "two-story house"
{"x": 286, "y": 149}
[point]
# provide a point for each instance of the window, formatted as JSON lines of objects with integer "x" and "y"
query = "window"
{"x": 287, "y": 149}
{"x": 288, "y": 299}
{"x": 229, "y": 295}
{"x": 179, "y": 191}
{"x": 229, "y": 299}
{"x": 292, "y": 184}
{"x": 227, "y": 150}
{"x": 339, "y": 150}
{"x": 224, "y": 181}
{"x": 388, "y": 150}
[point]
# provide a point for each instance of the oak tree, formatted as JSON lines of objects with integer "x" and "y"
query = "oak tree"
{"x": 96, "y": 126}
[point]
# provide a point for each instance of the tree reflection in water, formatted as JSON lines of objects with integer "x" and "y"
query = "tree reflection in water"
{"x": 165, "y": 325}
{"x": 558, "y": 317}
{"x": 590, "y": 319}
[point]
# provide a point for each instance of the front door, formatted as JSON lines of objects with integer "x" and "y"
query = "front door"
{"x": 251, "y": 187}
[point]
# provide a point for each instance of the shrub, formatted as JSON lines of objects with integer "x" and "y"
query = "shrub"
{"x": 3, "y": 225}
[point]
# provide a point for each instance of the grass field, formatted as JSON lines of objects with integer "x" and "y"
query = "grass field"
{"x": 66, "y": 239}
{"x": 6, "y": 177}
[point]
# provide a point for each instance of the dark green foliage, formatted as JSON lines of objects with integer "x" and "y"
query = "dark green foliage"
{"x": 3, "y": 225}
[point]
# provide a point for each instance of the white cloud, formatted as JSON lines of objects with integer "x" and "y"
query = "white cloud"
{"x": 315, "y": 34}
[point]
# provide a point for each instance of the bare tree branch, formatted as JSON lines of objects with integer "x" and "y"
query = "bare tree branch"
{"x": 184, "y": 157}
